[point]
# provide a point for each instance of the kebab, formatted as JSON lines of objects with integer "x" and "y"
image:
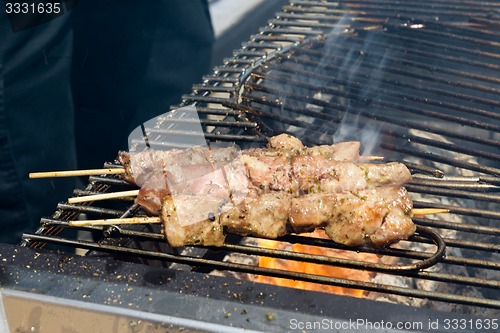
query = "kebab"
{"x": 279, "y": 180}
{"x": 286, "y": 165}
{"x": 138, "y": 167}
{"x": 259, "y": 200}
{"x": 376, "y": 216}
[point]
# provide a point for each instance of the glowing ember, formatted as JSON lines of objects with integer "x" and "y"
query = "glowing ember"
{"x": 315, "y": 269}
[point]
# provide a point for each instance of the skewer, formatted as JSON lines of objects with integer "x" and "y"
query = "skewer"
{"x": 103, "y": 196}
{"x": 76, "y": 173}
{"x": 429, "y": 211}
{"x": 157, "y": 219}
{"x": 128, "y": 220}
{"x": 371, "y": 158}
{"x": 119, "y": 171}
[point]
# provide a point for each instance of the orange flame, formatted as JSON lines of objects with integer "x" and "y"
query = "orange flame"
{"x": 315, "y": 269}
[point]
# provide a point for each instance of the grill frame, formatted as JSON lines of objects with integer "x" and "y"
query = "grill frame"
{"x": 145, "y": 294}
{"x": 227, "y": 94}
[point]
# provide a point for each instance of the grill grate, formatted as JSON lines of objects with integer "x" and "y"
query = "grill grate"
{"x": 413, "y": 82}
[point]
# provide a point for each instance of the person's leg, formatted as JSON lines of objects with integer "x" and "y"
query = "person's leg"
{"x": 133, "y": 60}
{"x": 36, "y": 121}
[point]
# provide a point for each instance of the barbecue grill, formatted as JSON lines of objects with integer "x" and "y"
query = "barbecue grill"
{"x": 414, "y": 82}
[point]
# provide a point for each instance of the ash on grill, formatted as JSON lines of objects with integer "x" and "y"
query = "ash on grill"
{"x": 412, "y": 83}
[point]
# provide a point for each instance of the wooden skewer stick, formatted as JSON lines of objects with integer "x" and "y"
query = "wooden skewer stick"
{"x": 75, "y": 173}
{"x": 157, "y": 219}
{"x": 119, "y": 171}
{"x": 429, "y": 211}
{"x": 371, "y": 158}
{"x": 128, "y": 220}
{"x": 103, "y": 196}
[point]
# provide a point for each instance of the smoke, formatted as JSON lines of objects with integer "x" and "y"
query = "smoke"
{"x": 366, "y": 132}
{"x": 360, "y": 56}
{"x": 351, "y": 64}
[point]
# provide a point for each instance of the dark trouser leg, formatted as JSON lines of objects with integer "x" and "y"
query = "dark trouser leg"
{"x": 133, "y": 60}
{"x": 36, "y": 122}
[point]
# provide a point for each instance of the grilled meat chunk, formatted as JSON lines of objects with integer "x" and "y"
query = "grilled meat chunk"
{"x": 343, "y": 151}
{"x": 263, "y": 215}
{"x": 227, "y": 181}
{"x": 269, "y": 170}
{"x": 378, "y": 215}
{"x": 152, "y": 193}
{"x": 151, "y": 200}
{"x": 157, "y": 187}
{"x": 139, "y": 166}
{"x": 286, "y": 144}
{"x": 192, "y": 220}
{"x": 317, "y": 173}
{"x": 291, "y": 146}
{"x": 200, "y": 220}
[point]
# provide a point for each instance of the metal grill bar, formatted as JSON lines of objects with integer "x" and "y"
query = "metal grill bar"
{"x": 380, "y": 14}
{"x": 338, "y": 108}
{"x": 383, "y": 10}
{"x": 388, "y": 83}
{"x": 436, "y": 6}
{"x": 394, "y": 66}
{"x": 442, "y": 159}
{"x": 454, "y": 193}
{"x": 255, "y": 101}
{"x": 312, "y": 71}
